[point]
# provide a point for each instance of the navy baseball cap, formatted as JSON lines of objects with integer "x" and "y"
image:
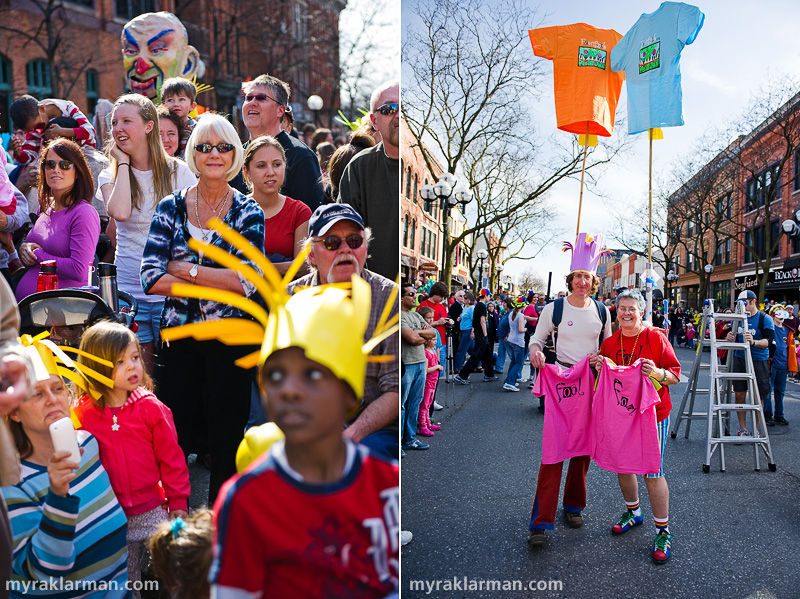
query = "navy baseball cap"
{"x": 746, "y": 296}
{"x": 325, "y": 216}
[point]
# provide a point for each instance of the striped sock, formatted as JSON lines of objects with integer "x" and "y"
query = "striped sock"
{"x": 662, "y": 525}
{"x": 634, "y": 507}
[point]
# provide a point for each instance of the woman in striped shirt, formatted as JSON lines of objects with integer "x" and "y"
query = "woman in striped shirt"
{"x": 69, "y": 530}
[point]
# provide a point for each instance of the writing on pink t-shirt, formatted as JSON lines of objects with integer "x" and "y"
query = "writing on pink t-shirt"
{"x": 624, "y": 432}
{"x": 568, "y": 410}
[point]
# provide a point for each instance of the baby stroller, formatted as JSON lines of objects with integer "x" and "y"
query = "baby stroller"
{"x": 67, "y": 313}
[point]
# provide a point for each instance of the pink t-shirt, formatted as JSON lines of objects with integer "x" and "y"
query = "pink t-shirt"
{"x": 568, "y": 410}
{"x": 624, "y": 433}
{"x": 432, "y": 377}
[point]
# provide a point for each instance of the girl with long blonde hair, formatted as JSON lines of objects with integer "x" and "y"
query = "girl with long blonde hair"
{"x": 139, "y": 176}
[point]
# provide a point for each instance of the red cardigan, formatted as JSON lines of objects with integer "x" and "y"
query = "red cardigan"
{"x": 142, "y": 456}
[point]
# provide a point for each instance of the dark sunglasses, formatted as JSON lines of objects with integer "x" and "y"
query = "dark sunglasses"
{"x": 411, "y": 294}
{"x": 259, "y": 97}
{"x": 222, "y": 148}
{"x": 388, "y": 108}
{"x": 333, "y": 243}
{"x": 64, "y": 165}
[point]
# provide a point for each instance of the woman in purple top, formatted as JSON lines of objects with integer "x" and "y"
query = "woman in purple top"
{"x": 68, "y": 226}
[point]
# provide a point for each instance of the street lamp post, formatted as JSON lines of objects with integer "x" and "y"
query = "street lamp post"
{"x": 499, "y": 270}
{"x": 315, "y": 104}
{"x": 709, "y": 269}
{"x": 448, "y": 194}
{"x": 671, "y": 279}
{"x": 482, "y": 255}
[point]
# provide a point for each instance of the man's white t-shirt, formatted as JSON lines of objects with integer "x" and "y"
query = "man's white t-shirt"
{"x": 132, "y": 234}
{"x": 578, "y": 332}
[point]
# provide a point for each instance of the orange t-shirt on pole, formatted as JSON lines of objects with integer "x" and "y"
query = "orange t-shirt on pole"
{"x": 586, "y": 89}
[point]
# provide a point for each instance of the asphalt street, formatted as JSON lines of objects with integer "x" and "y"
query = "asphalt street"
{"x": 467, "y": 501}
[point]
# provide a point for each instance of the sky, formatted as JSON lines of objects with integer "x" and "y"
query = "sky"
{"x": 738, "y": 47}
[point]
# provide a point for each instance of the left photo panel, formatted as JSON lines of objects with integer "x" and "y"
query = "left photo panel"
{"x": 200, "y": 299}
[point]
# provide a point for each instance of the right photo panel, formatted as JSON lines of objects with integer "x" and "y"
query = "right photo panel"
{"x": 600, "y": 289}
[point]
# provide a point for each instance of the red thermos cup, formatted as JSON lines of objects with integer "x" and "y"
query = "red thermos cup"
{"x": 48, "y": 279}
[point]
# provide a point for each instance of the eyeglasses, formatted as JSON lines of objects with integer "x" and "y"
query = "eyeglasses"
{"x": 410, "y": 294}
{"x": 260, "y": 98}
{"x": 332, "y": 242}
{"x": 222, "y": 148}
{"x": 64, "y": 165}
{"x": 388, "y": 108}
{"x": 628, "y": 310}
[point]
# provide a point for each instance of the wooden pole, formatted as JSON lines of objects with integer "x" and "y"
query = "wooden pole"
{"x": 649, "y": 284}
{"x": 583, "y": 171}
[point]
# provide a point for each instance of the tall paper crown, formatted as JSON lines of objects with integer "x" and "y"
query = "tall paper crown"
{"x": 327, "y": 322}
{"x": 586, "y": 252}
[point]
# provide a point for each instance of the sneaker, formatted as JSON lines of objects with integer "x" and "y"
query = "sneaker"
{"x": 662, "y": 548}
{"x": 628, "y": 521}
{"x": 405, "y": 537}
{"x": 489, "y": 379}
{"x": 574, "y": 520}
{"x": 530, "y": 385}
{"x": 402, "y": 453}
{"x": 522, "y": 380}
{"x": 416, "y": 445}
{"x": 434, "y": 427}
{"x": 743, "y": 432}
{"x": 510, "y": 387}
{"x": 425, "y": 432}
{"x": 460, "y": 381}
{"x": 437, "y": 406}
{"x": 536, "y": 538}
{"x": 781, "y": 420}
{"x": 769, "y": 420}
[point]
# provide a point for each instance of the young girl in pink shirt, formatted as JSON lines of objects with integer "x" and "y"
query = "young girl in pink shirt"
{"x": 138, "y": 442}
{"x": 425, "y": 427}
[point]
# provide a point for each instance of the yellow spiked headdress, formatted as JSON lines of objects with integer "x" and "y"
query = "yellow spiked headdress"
{"x": 328, "y": 322}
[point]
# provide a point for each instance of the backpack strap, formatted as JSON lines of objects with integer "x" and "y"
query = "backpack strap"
{"x": 558, "y": 312}
{"x": 603, "y": 313}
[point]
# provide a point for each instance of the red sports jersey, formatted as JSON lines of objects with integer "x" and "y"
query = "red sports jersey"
{"x": 280, "y": 537}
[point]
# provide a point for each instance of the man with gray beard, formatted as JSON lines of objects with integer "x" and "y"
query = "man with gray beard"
{"x": 339, "y": 244}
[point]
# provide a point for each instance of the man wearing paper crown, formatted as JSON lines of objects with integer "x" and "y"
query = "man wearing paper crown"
{"x": 314, "y": 490}
{"x": 579, "y": 324}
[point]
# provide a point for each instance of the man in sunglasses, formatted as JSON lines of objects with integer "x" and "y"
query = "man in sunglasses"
{"x": 371, "y": 182}
{"x": 266, "y": 99}
{"x": 339, "y": 243}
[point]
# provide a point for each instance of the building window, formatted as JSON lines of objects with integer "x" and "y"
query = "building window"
{"x": 5, "y": 94}
{"x": 764, "y": 185}
{"x": 91, "y": 91}
{"x": 412, "y": 245}
{"x": 416, "y": 183}
{"x": 719, "y": 252}
{"x": 408, "y": 185}
{"x": 435, "y": 252}
{"x": 755, "y": 242}
{"x": 86, "y": 3}
{"x": 39, "y": 79}
{"x": 728, "y": 252}
{"x": 128, "y": 9}
{"x": 405, "y": 230}
{"x": 796, "y": 184}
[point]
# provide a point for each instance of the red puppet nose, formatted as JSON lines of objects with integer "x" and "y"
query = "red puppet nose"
{"x": 141, "y": 66}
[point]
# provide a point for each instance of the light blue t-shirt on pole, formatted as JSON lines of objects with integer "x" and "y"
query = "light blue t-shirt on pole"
{"x": 650, "y": 56}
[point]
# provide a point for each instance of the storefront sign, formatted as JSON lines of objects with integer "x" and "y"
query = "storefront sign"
{"x": 788, "y": 278}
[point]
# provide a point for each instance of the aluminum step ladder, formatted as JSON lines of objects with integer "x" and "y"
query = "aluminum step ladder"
{"x": 721, "y": 402}
{"x": 687, "y": 410}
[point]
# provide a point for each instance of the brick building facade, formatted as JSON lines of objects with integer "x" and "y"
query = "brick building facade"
{"x": 295, "y": 40}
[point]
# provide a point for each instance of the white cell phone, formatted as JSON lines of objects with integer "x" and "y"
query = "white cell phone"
{"x": 64, "y": 439}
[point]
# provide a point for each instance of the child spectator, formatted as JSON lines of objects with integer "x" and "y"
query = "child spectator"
{"x": 182, "y": 551}
{"x": 8, "y": 202}
{"x": 169, "y": 128}
{"x": 425, "y": 427}
{"x": 34, "y": 117}
{"x": 178, "y": 95}
{"x": 138, "y": 442}
{"x": 690, "y": 333}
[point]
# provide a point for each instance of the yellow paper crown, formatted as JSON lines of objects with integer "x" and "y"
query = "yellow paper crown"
{"x": 48, "y": 358}
{"x": 327, "y": 322}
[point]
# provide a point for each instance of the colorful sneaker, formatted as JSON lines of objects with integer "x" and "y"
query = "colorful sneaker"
{"x": 510, "y": 387}
{"x": 627, "y": 522}
{"x": 743, "y": 432}
{"x": 425, "y": 432}
{"x": 434, "y": 427}
{"x": 662, "y": 548}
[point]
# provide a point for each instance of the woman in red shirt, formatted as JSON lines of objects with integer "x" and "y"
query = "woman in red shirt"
{"x": 285, "y": 219}
{"x": 632, "y": 341}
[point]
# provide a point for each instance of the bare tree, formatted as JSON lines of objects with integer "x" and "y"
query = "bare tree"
{"x": 50, "y": 29}
{"x": 471, "y": 76}
{"x": 529, "y": 280}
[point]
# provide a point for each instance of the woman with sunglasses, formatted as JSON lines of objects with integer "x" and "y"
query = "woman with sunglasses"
{"x": 68, "y": 226}
{"x": 199, "y": 377}
{"x": 139, "y": 176}
{"x": 285, "y": 219}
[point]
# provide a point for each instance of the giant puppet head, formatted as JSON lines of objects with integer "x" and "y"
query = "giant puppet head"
{"x": 155, "y": 47}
